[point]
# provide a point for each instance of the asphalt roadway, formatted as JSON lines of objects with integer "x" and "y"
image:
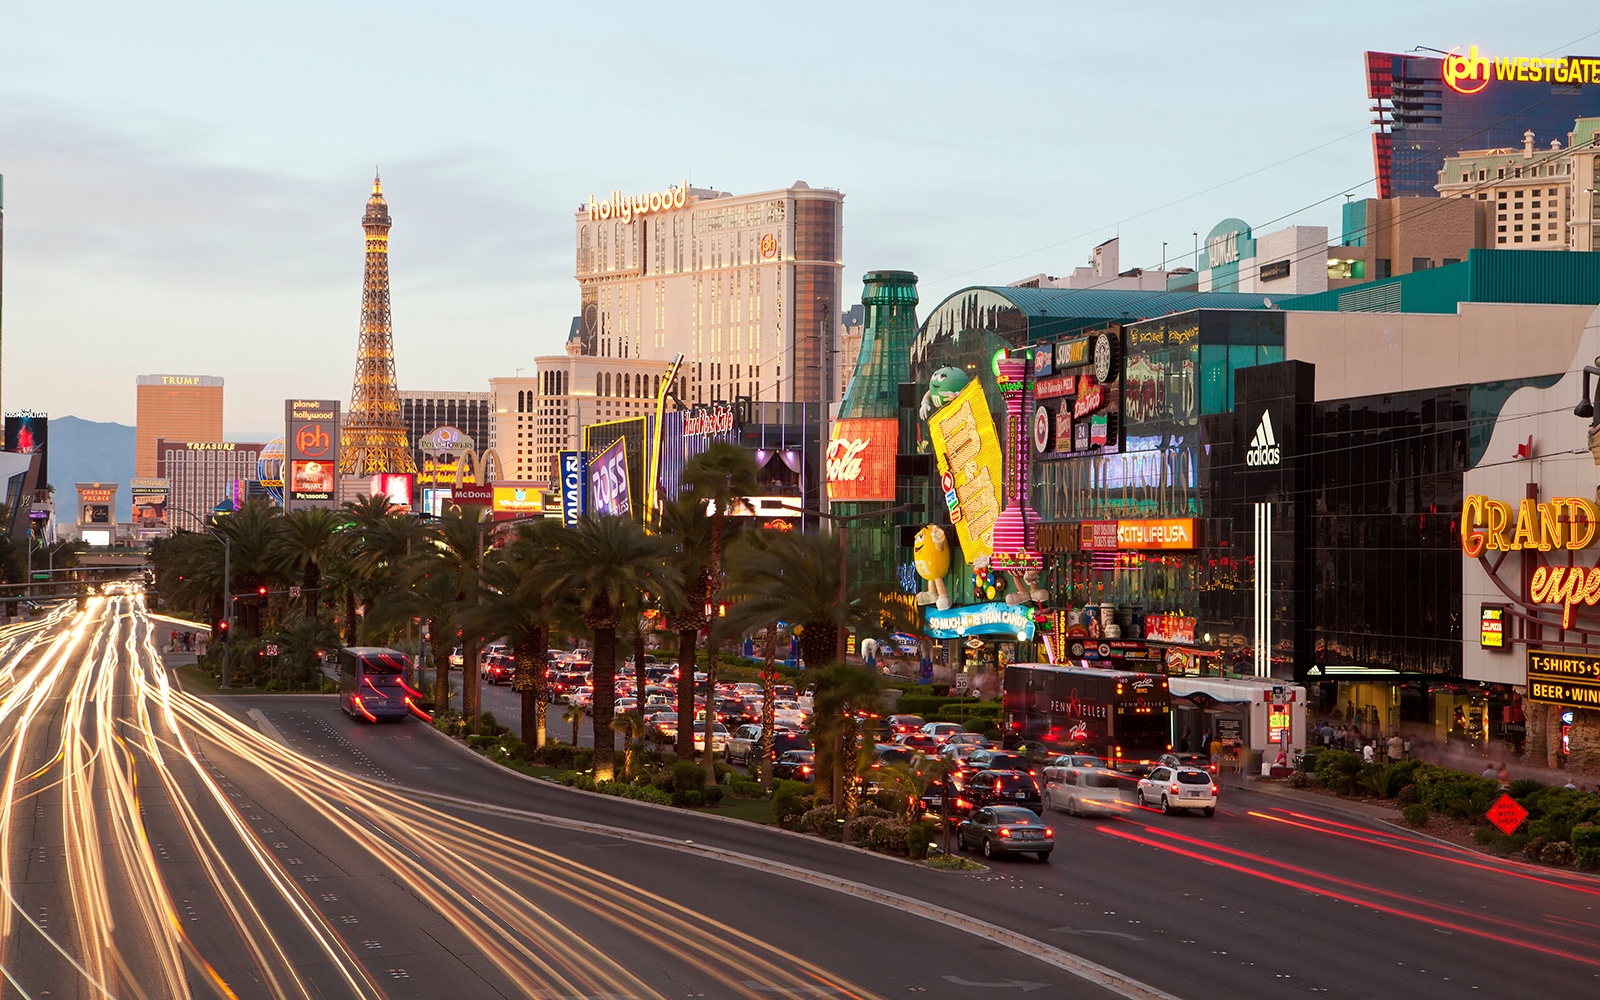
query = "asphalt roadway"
{"x": 1270, "y": 898}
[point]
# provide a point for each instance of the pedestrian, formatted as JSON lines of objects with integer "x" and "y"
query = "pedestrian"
{"x": 1504, "y": 776}
{"x": 1367, "y": 750}
{"x": 1326, "y": 732}
{"x": 1185, "y": 743}
{"x": 1491, "y": 772}
{"x": 1215, "y": 750}
{"x": 1397, "y": 748}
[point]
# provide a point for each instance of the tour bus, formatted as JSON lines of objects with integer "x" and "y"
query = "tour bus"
{"x": 1121, "y": 716}
{"x": 372, "y": 683}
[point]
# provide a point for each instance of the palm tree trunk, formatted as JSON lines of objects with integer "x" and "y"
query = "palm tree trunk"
{"x": 534, "y": 685}
{"x": 769, "y": 755}
{"x": 709, "y": 757}
{"x": 440, "y": 645}
{"x": 605, "y": 700}
{"x": 310, "y": 589}
{"x": 686, "y": 644}
{"x": 350, "y": 618}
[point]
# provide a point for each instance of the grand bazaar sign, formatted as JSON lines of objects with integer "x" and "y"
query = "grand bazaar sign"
{"x": 1561, "y": 523}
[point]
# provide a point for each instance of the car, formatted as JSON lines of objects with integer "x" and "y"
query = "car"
{"x": 893, "y": 753}
{"x": 919, "y": 741}
{"x": 1080, "y": 791}
{"x": 942, "y": 731}
{"x": 958, "y": 753}
{"x": 997, "y": 830}
{"x": 1202, "y": 761}
{"x": 1174, "y": 788}
{"x": 743, "y": 744}
{"x": 719, "y": 736}
{"x": 1074, "y": 760}
{"x": 998, "y": 760}
{"x": 623, "y": 704}
{"x": 906, "y": 723}
{"x": 989, "y": 788}
{"x": 663, "y": 726}
{"x": 795, "y": 765}
{"x": 978, "y": 740}
{"x": 496, "y": 668}
{"x": 456, "y": 659}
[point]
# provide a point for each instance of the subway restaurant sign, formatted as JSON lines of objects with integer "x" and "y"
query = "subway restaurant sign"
{"x": 1559, "y": 678}
{"x": 1562, "y": 523}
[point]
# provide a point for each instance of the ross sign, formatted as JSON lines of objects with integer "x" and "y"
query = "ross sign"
{"x": 1471, "y": 73}
{"x": 516, "y": 498}
{"x": 311, "y": 453}
{"x": 1559, "y": 523}
{"x": 27, "y": 433}
{"x": 861, "y": 454}
{"x": 1264, "y": 448}
{"x": 970, "y": 467}
{"x": 625, "y": 206}
{"x": 1557, "y": 678}
{"x": 1492, "y": 622}
{"x": 608, "y": 482}
{"x": 1170, "y": 533}
{"x": 1506, "y": 814}
{"x": 994, "y": 618}
{"x": 574, "y": 487}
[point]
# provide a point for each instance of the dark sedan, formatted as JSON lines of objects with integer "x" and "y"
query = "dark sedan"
{"x": 795, "y": 765}
{"x": 998, "y": 830}
{"x": 993, "y": 788}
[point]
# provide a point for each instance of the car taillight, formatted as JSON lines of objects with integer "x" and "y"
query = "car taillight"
{"x": 1174, "y": 788}
{"x": 1049, "y": 831}
{"x": 1214, "y": 790}
{"x": 805, "y": 769}
{"x": 963, "y": 804}
{"x": 1004, "y": 832}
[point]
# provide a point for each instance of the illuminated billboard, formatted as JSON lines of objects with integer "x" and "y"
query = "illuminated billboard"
{"x": 149, "y": 505}
{"x": 635, "y": 435}
{"x": 26, "y": 434}
{"x": 311, "y": 445}
{"x": 609, "y": 493}
{"x": 96, "y": 501}
{"x": 861, "y": 454}
{"x": 394, "y": 485}
{"x": 970, "y": 467}
{"x": 518, "y": 498}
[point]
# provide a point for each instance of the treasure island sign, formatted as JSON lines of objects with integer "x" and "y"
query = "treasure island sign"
{"x": 1562, "y": 523}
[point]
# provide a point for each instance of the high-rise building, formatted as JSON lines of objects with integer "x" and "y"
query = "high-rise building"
{"x": 177, "y": 408}
{"x": 538, "y": 418}
{"x": 1428, "y": 107}
{"x": 1540, "y": 199}
{"x": 851, "y": 328}
{"x": 745, "y": 287}
{"x": 2, "y": 274}
{"x": 424, "y": 411}
{"x": 201, "y": 474}
{"x": 373, "y": 435}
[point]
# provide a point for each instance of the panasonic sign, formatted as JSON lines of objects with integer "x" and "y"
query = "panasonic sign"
{"x": 1264, "y": 448}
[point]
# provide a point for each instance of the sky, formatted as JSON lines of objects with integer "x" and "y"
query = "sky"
{"x": 184, "y": 181}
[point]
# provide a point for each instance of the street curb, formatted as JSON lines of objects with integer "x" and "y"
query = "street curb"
{"x": 1093, "y": 972}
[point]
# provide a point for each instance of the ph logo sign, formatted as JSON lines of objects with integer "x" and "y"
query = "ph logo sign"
{"x": 312, "y": 440}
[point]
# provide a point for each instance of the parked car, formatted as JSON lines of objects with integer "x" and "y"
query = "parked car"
{"x": 1080, "y": 791}
{"x": 795, "y": 765}
{"x": 1175, "y": 788}
{"x": 997, "y": 830}
{"x": 902, "y": 724}
{"x": 989, "y": 788}
{"x": 941, "y": 731}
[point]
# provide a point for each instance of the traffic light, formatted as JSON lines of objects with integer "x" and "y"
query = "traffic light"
{"x": 222, "y": 628}
{"x": 261, "y": 591}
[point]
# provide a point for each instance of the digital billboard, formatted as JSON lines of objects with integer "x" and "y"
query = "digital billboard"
{"x": 861, "y": 454}
{"x": 311, "y": 446}
{"x": 394, "y": 485}
{"x": 26, "y": 434}
{"x": 513, "y": 500}
{"x": 149, "y": 505}
{"x": 970, "y": 467}
{"x": 609, "y": 492}
{"x": 634, "y": 433}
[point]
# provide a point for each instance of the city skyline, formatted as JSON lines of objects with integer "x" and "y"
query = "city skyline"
{"x": 142, "y": 163}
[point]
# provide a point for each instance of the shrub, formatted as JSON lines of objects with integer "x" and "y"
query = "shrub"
{"x": 1585, "y": 842}
{"x": 582, "y": 758}
{"x": 1415, "y": 815}
{"x": 823, "y": 820}
{"x": 690, "y": 797}
{"x": 790, "y": 801}
{"x": 1455, "y": 793}
{"x": 627, "y": 790}
{"x": 1534, "y": 847}
{"x": 1524, "y": 787}
{"x": 1486, "y": 835}
{"x": 1407, "y": 795}
{"x": 1558, "y": 853}
{"x": 747, "y": 790}
{"x": 687, "y": 776}
{"x": 919, "y": 837}
{"x": 1337, "y": 770}
{"x": 1374, "y": 779}
{"x": 889, "y": 836}
{"x": 555, "y": 754}
{"x": 711, "y": 795}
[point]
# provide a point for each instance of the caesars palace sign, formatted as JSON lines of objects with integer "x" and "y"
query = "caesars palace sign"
{"x": 1561, "y": 523}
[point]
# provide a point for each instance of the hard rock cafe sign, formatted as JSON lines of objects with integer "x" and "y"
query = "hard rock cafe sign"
{"x": 1568, "y": 523}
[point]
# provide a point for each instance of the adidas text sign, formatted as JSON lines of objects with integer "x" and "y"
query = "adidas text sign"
{"x": 1264, "y": 448}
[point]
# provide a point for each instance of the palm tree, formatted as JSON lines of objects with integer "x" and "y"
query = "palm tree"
{"x": 609, "y": 565}
{"x": 516, "y": 604}
{"x": 840, "y": 691}
{"x": 687, "y": 529}
{"x": 721, "y": 476}
{"x": 253, "y": 530}
{"x": 633, "y": 729}
{"x": 307, "y": 542}
{"x": 433, "y": 585}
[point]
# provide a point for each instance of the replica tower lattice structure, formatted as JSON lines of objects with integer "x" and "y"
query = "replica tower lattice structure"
{"x": 372, "y": 438}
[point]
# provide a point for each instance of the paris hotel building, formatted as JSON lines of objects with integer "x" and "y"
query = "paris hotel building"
{"x": 746, "y": 287}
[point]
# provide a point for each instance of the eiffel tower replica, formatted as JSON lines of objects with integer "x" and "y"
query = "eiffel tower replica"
{"x": 372, "y": 438}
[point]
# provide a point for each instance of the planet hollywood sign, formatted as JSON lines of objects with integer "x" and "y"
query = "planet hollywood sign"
{"x": 1568, "y": 523}
{"x": 626, "y": 206}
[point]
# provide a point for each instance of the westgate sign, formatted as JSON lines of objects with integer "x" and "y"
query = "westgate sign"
{"x": 1470, "y": 73}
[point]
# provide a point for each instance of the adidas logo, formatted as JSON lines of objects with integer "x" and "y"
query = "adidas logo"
{"x": 1264, "y": 448}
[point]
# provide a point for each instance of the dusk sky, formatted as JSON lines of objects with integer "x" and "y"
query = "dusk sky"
{"x": 184, "y": 181}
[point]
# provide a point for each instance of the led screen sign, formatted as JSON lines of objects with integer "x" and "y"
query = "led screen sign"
{"x": 861, "y": 458}
{"x": 609, "y": 493}
{"x": 311, "y": 443}
{"x": 994, "y": 618}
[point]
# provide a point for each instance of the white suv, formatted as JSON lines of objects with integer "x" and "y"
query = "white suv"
{"x": 1175, "y": 788}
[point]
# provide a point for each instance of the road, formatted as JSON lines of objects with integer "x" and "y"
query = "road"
{"x": 158, "y": 845}
{"x": 1271, "y": 897}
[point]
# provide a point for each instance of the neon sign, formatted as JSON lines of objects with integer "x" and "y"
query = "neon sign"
{"x": 625, "y": 206}
{"x": 1471, "y": 73}
{"x": 1560, "y": 523}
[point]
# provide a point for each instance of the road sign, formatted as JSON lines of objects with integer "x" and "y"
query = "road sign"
{"x": 272, "y": 649}
{"x": 963, "y": 681}
{"x": 294, "y": 592}
{"x": 41, "y": 575}
{"x": 1507, "y": 814}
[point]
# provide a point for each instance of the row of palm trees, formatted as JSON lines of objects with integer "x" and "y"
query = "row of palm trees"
{"x": 368, "y": 572}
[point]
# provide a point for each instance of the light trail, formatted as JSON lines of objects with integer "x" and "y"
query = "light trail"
{"x": 90, "y": 725}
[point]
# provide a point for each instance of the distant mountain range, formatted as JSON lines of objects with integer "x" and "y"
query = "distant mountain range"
{"x": 88, "y": 451}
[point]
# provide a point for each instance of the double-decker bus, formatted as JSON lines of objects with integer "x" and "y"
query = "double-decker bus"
{"x": 1121, "y": 716}
{"x": 372, "y": 683}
